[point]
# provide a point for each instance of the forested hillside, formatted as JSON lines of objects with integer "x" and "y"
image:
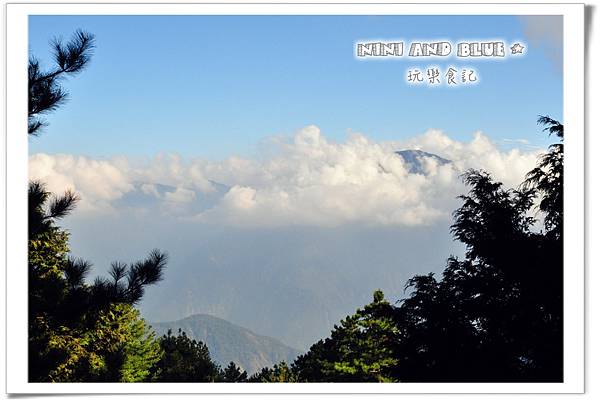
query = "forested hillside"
{"x": 228, "y": 342}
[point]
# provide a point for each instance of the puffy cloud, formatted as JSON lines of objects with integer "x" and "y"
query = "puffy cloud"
{"x": 100, "y": 181}
{"x": 169, "y": 169}
{"x": 180, "y": 195}
{"x": 150, "y": 189}
{"x": 307, "y": 180}
{"x": 508, "y": 167}
{"x": 312, "y": 181}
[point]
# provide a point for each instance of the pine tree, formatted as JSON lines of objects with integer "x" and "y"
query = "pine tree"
{"x": 358, "y": 350}
{"x": 66, "y": 313}
{"x": 45, "y": 92}
{"x": 495, "y": 315}
{"x": 117, "y": 347}
{"x": 233, "y": 374}
{"x": 184, "y": 360}
{"x": 279, "y": 373}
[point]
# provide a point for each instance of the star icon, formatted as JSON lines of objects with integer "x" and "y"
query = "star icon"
{"x": 517, "y": 48}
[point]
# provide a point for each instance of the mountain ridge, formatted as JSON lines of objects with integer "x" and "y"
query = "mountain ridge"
{"x": 227, "y": 342}
{"x": 413, "y": 158}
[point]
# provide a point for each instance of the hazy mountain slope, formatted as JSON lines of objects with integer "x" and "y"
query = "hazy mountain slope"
{"x": 289, "y": 283}
{"x": 292, "y": 283}
{"x": 229, "y": 342}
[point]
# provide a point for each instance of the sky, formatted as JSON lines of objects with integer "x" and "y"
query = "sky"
{"x": 260, "y": 154}
{"x": 213, "y": 86}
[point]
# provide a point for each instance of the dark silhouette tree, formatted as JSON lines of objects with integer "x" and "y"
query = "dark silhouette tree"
{"x": 279, "y": 373}
{"x": 486, "y": 307}
{"x": 547, "y": 179}
{"x": 495, "y": 316}
{"x": 233, "y": 374}
{"x": 45, "y": 92}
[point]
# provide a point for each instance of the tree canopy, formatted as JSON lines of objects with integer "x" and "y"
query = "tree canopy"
{"x": 70, "y": 318}
{"x": 45, "y": 91}
{"x": 185, "y": 360}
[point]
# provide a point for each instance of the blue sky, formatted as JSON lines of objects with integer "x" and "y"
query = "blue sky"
{"x": 213, "y": 86}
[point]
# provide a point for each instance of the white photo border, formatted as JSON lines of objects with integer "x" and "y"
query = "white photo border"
{"x": 17, "y": 178}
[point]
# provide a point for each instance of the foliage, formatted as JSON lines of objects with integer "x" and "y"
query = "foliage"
{"x": 45, "y": 92}
{"x": 66, "y": 315}
{"x": 228, "y": 342}
{"x": 486, "y": 307}
{"x": 547, "y": 180}
{"x": 141, "y": 350}
{"x": 117, "y": 347}
{"x": 279, "y": 373}
{"x": 232, "y": 374}
{"x": 185, "y": 360}
{"x": 359, "y": 350}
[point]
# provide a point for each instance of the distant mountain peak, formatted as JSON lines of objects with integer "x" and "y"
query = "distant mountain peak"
{"x": 228, "y": 342}
{"x": 414, "y": 159}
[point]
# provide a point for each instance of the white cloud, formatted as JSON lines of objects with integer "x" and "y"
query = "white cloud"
{"x": 150, "y": 189}
{"x": 308, "y": 180}
{"x": 169, "y": 169}
{"x": 180, "y": 195}
{"x": 99, "y": 181}
{"x": 508, "y": 166}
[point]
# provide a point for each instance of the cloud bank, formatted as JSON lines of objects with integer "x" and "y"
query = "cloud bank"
{"x": 306, "y": 180}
